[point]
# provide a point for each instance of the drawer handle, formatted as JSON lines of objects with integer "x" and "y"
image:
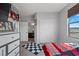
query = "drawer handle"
{"x": 12, "y": 37}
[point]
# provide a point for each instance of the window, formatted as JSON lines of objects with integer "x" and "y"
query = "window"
{"x": 74, "y": 26}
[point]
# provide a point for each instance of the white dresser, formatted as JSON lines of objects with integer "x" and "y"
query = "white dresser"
{"x": 9, "y": 44}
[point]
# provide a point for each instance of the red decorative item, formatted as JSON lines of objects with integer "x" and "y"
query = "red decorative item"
{"x": 13, "y": 14}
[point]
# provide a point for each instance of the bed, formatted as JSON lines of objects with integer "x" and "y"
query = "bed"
{"x": 62, "y": 49}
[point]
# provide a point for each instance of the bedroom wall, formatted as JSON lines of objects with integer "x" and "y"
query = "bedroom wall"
{"x": 47, "y": 27}
{"x": 63, "y": 26}
{"x": 24, "y": 31}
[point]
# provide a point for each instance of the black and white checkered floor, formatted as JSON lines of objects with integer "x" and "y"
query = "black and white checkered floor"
{"x": 33, "y": 47}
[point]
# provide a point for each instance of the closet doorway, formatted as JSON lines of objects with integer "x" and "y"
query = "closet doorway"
{"x": 31, "y": 32}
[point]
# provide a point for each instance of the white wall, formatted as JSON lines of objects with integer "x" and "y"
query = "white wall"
{"x": 47, "y": 27}
{"x": 63, "y": 26}
{"x": 28, "y": 19}
{"x": 24, "y": 31}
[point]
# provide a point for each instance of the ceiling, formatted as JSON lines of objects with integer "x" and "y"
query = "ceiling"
{"x": 29, "y": 9}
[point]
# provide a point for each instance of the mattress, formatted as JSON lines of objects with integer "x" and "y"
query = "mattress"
{"x": 62, "y": 49}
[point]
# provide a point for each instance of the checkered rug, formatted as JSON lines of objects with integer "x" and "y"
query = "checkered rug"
{"x": 33, "y": 47}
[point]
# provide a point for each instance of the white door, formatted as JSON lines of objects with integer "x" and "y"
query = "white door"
{"x": 24, "y": 31}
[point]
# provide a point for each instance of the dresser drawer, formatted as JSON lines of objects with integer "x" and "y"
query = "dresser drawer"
{"x": 15, "y": 36}
{"x": 13, "y": 53}
{"x": 5, "y": 39}
{"x": 3, "y": 51}
{"x": 8, "y": 38}
{"x": 13, "y": 45}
